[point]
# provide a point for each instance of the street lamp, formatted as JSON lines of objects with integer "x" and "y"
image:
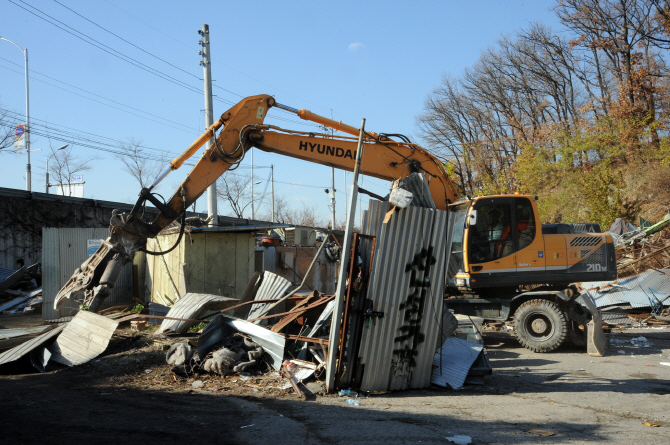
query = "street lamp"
{"x": 48, "y": 159}
{"x": 25, "y": 55}
{"x": 252, "y": 196}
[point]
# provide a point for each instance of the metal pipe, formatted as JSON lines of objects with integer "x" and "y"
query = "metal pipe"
{"x": 336, "y": 320}
{"x": 161, "y": 177}
{"x": 309, "y": 116}
{"x": 286, "y": 108}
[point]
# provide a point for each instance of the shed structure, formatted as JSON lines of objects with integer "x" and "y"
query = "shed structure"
{"x": 208, "y": 260}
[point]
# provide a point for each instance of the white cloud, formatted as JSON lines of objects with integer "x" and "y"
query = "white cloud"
{"x": 355, "y": 46}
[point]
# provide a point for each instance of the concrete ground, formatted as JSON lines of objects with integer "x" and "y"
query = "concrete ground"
{"x": 574, "y": 397}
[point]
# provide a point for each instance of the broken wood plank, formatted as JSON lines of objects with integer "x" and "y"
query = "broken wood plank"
{"x": 326, "y": 299}
{"x": 321, "y": 341}
{"x": 298, "y": 311}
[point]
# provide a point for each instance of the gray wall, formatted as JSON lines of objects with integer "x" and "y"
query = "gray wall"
{"x": 24, "y": 214}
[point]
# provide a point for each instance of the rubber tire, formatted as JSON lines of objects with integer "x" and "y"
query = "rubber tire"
{"x": 553, "y": 316}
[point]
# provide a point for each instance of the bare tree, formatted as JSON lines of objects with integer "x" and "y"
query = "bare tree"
{"x": 64, "y": 163}
{"x": 234, "y": 190}
{"x": 6, "y": 130}
{"x": 143, "y": 164}
{"x": 285, "y": 214}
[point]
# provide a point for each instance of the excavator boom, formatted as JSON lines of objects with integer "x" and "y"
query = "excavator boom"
{"x": 242, "y": 127}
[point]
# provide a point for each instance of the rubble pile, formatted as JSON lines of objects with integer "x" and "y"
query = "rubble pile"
{"x": 20, "y": 290}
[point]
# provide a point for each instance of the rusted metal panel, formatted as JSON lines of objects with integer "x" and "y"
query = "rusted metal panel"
{"x": 397, "y": 349}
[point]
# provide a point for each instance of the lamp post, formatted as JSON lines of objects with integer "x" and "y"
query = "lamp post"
{"x": 25, "y": 56}
{"x": 46, "y": 184}
{"x": 252, "y": 196}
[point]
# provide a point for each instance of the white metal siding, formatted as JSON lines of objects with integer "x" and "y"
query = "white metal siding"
{"x": 408, "y": 232}
{"x": 63, "y": 251}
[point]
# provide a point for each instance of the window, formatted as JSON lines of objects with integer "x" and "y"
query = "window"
{"x": 525, "y": 223}
{"x": 457, "y": 225}
{"x": 491, "y": 237}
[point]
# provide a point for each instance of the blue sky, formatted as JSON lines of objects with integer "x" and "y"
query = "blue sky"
{"x": 376, "y": 60}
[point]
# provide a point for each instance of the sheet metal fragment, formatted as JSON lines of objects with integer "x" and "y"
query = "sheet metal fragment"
{"x": 453, "y": 361}
{"x": 83, "y": 339}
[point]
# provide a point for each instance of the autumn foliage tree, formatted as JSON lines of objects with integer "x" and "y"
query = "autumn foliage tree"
{"x": 573, "y": 116}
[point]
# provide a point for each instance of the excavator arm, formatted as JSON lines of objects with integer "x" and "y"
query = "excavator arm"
{"x": 242, "y": 127}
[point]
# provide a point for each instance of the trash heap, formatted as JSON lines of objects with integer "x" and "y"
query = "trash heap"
{"x": 641, "y": 294}
{"x": 21, "y": 290}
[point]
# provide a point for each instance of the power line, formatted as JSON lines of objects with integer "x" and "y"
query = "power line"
{"x": 129, "y": 59}
{"x": 216, "y": 61}
{"x": 102, "y": 103}
{"x": 109, "y": 50}
{"x": 18, "y": 117}
{"x": 128, "y": 42}
{"x": 149, "y": 25}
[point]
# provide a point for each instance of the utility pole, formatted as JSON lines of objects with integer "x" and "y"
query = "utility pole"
{"x": 29, "y": 179}
{"x": 206, "y": 63}
{"x": 332, "y": 180}
{"x": 252, "y": 183}
{"x": 272, "y": 188}
{"x": 332, "y": 194}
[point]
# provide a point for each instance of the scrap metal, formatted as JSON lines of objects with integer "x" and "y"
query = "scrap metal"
{"x": 191, "y": 306}
{"x": 83, "y": 339}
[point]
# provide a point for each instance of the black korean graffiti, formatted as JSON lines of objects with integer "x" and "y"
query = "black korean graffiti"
{"x": 410, "y": 332}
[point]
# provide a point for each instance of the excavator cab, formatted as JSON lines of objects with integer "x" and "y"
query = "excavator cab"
{"x": 497, "y": 244}
{"x": 497, "y": 248}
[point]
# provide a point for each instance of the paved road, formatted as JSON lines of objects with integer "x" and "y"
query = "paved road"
{"x": 580, "y": 399}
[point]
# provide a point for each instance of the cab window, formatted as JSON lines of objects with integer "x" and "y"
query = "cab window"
{"x": 525, "y": 223}
{"x": 491, "y": 238}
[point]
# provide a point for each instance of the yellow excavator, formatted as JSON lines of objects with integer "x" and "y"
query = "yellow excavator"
{"x": 497, "y": 248}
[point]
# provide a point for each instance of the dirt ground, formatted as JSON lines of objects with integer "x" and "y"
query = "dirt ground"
{"x": 129, "y": 393}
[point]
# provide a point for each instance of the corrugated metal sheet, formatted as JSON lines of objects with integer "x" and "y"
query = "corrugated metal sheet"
{"x": 10, "y": 333}
{"x": 191, "y": 306}
{"x": 83, "y": 339}
{"x": 401, "y": 243}
{"x": 25, "y": 348}
{"x": 637, "y": 290}
{"x": 269, "y": 259}
{"x": 273, "y": 286}
{"x": 453, "y": 361}
{"x": 63, "y": 251}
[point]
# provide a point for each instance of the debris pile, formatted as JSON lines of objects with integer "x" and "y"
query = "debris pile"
{"x": 20, "y": 290}
{"x": 634, "y": 300}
